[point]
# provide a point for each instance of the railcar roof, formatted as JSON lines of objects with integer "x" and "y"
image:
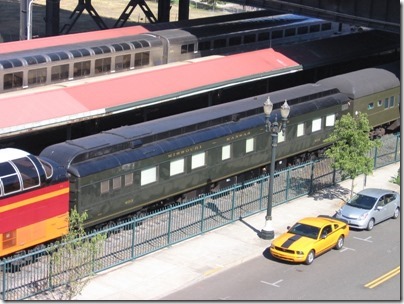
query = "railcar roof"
{"x": 16, "y": 46}
{"x": 167, "y": 134}
{"x": 364, "y": 82}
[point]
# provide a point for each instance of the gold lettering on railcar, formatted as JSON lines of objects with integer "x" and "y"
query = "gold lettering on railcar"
{"x": 184, "y": 151}
{"x": 238, "y": 136}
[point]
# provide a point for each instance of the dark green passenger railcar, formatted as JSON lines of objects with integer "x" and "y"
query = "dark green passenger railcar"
{"x": 128, "y": 169}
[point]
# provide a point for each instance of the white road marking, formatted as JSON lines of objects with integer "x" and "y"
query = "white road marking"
{"x": 272, "y": 284}
{"x": 365, "y": 240}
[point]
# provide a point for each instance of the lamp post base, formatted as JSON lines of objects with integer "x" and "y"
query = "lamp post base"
{"x": 267, "y": 233}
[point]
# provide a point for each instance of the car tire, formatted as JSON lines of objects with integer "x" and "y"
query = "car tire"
{"x": 370, "y": 225}
{"x": 396, "y": 213}
{"x": 309, "y": 258}
{"x": 340, "y": 243}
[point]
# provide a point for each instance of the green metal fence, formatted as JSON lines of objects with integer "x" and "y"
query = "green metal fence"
{"x": 32, "y": 275}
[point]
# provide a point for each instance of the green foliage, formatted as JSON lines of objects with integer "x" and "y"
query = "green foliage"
{"x": 396, "y": 180}
{"x": 73, "y": 259}
{"x": 351, "y": 146}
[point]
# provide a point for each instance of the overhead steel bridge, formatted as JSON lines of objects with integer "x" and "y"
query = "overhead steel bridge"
{"x": 378, "y": 14}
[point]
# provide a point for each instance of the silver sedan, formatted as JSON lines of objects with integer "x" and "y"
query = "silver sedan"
{"x": 369, "y": 207}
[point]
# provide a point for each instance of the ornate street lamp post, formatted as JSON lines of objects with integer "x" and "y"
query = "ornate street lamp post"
{"x": 267, "y": 232}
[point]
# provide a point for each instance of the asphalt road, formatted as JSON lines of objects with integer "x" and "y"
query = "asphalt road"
{"x": 353, "y": 273}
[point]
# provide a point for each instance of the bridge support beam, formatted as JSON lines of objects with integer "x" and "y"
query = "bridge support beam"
{"x": 163, "y": 14}
{"x": 52, "y": 17}
{"x": 183, "y": 10}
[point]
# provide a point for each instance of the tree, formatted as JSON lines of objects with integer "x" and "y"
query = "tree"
{"x": 72, "y": 259}
{"x": 351, "y": 145}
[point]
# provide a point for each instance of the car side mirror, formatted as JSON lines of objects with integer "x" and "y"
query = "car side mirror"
{"x": 378, "y": 208}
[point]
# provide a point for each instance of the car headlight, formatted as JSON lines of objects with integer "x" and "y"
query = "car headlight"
{"x": 363, "y": 216}
{"x": 299, "y": 252}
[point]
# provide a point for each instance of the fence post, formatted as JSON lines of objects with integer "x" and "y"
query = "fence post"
{"x": 169, "y": 224}
{"x": 311, "y": 177}
{"x": 375, "y": 158}
{"x": 203, "y": 212}
{"x": 287, "y": 185}
{"x": 233, "y": 202}
{"x": 134, "y": 221}
{"x": 4, "y": 280}
{"x": 397, "y": 146}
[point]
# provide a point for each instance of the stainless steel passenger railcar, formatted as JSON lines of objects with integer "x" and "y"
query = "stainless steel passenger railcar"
{"x": 26, "y": 68}
{"x": 118, "y": 172}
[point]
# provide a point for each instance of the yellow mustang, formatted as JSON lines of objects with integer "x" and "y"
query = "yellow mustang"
{"x": 309, "y": 238}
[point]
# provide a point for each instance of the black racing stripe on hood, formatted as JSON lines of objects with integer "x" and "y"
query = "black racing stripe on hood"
{"x": 290, "y": 241}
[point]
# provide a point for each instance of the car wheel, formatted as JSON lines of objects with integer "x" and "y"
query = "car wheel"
{"x": 396, "y": 213}
{"x": 340, "y": 243}
{"x": 309, "y": 258}
{"x": 371, "y": 224}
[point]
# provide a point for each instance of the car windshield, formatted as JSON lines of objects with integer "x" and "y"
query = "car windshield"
{"x": 362, "y": 201}
{"x": 305, "y": 230}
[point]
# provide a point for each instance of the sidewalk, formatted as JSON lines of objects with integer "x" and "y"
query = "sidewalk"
{"x": 158, "y": 274}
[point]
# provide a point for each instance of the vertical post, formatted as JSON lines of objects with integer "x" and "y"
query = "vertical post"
{"x": 268, "y": 233}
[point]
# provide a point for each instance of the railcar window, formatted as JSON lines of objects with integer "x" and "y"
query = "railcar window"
{"x": 142, "y": 59}
{"x": 263, "y": 36}
{"x": 290, "y": 32}
{"x": 316, "y": 125}
{"x": 249, "y": 38}
{"x": 219, "y": 43}
{"x": 302, "y": 30}
{"x": 122, "y": 62}
{"x": 277, "y": 34}
{"x": 177, "y": 166}
{"x": 300, "y": 130}
{"x": 58, "y": 56}
{"x": 6, "y": 64}
{"x": 116, "y": 183}
{"x": 204, "y": 45}
{"x": 148, "y": 176}
{"x": 234, "y": 41}
{"x": 102, "y": 65}
{"x": 144, "y": 43}
{"x": 9, "y": 178}
{"x": 12, "y": 81}
{"x": 82, "y": 69}
{"x": 104, "y": 187}
{"x": 80, "y": 53}
{"x": 226, "y": 152}
{"x": 187, "y": 48}
{"x": 281, "y": 137}
{"x": 314, "y": 28}
{"x": 198, "y": 160}
{"x": 249, "y": 145}
{"x": 47, "y": 168}
{"x": 326, "y": 26}
{"x": 128, "y": 179}
{"x": 391, "y": 101}
{"x": 371, "y": 106}
{"x": 37, "y": 76}
{"x": 35, "y": 59}
{"x": 379, "y": 103}
{"x": 60, "y": 72}
{"x": 29, "y": 173}
{"x": 330, "y": 120}
{"x": 386, "y": 103}
{"x": 121, "y": 47}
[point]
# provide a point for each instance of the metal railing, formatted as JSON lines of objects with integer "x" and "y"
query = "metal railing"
{"x": 32, "y": 275}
